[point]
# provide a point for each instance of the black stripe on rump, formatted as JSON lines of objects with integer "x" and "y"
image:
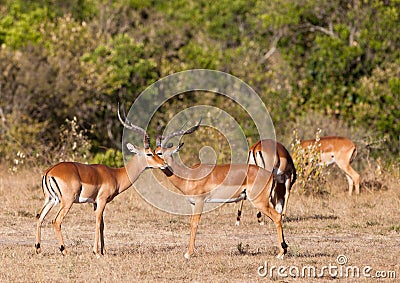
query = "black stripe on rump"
{"x": 43, "y": 183}
{"x": 248, "y": 157}
{"x": 52, "y": 193}
{"x": 58, "y": 188}
{"x": 262, "y": 159}
{"x": 254, "y": 157}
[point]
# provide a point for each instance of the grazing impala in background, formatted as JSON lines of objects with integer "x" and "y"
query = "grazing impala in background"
{"x": 219, "y": 184}
{"x": 341, "y": 151}
{"x": 70, "y": 182}
{"x": 267, "y": 154}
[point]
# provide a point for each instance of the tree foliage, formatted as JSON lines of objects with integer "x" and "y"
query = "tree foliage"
{"x": 66, "y": 59}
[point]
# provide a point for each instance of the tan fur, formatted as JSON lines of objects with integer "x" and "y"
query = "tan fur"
{"x": 69, "y": 182}
{"x": 227, "y": 181}
{"x": 272, "y": 155}
{"x": 341, "y": 151}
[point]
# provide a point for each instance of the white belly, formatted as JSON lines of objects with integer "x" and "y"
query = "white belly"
{"x": 83, "y": 200}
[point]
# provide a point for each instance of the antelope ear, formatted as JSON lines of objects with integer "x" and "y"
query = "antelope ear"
{"x": 132, "y": 148}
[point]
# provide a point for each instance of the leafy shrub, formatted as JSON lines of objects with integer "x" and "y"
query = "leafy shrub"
{"x": 311, "y": 177}
{"x": 22, "y": 147}
{"x": 74, "y": 144}
{"x": 378, "y": 104}
{"x": 111, "y": 157}
{"x": 19, "y": 135}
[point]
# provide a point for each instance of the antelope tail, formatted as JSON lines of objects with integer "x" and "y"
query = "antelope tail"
{"x": 354, "y": 154}
{"x": 50, "y": 188}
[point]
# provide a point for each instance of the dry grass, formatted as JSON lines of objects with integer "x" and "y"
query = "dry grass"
{"x": 145, "y": 244}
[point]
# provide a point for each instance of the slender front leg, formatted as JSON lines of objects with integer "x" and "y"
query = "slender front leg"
{"x": 281, "y": 239}
{"x": 101, "y": 204}
{"x": 277, "y": 219}
{"x": 102, "y": 247}
{"x": 239, "y": 213}
{"x": 194, "y": 222}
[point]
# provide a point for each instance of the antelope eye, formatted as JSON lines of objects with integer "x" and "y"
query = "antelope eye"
{"x": 159, "y": 153}
{"x": 149, "y": 154}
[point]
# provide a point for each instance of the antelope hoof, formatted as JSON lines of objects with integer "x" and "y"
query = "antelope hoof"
{"x": 63, "y": 250}
{"x": 97, "y": 254}
{"x": 37, "y": 248}
{"x": 237, "y": 223}
{"x": 283, "y": 250}
{"x": 187, "y": 255}
{"x": 261, "y": 223}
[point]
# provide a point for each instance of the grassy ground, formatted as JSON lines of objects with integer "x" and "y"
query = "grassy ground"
{"x": 145, "y": 244}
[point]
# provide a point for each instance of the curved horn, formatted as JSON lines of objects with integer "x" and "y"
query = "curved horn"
{"x": 159, "y": 135}
{"x": 180, "y": 132}
{"x": 127, "y": 124}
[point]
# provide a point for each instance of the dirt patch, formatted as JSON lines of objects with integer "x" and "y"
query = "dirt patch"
{"x": 145, "y": 244}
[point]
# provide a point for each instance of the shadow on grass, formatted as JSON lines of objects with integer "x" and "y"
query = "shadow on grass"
{"x": 293, "y": 254}
{"x": 310, "y": 217}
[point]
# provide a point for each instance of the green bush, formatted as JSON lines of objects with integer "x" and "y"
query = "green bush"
{"x": 111, "y": 157}
{"x": 311, "y": 177}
